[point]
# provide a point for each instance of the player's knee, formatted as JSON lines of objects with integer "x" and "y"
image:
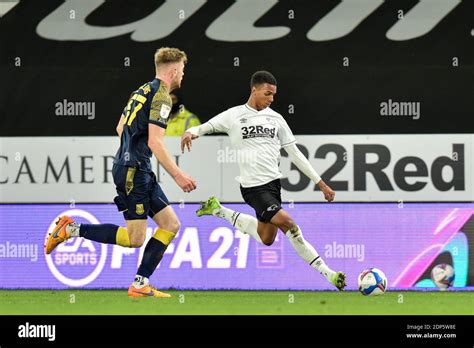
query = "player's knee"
{"x": 293, "y": 228}
{"x": 287, "y": 224}
{"x": 172, "y": 226}
{"x": 283, "y": 220}
{"x": 137, "y": 238}
{"x": 267, "y": 239}
{"x": 136, "y": 242}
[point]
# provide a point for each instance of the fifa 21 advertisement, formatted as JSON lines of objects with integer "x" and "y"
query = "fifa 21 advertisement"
{"x": 343, "y": 67}
{"x": 404, "y": 240}
{"x": 360, "y": 168}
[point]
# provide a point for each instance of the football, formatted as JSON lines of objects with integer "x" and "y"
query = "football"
{"x": 443, "y": 276}
{"x": 371, "y": 282}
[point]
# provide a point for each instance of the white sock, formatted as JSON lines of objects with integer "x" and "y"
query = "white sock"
{"x": 245, "y": 223}
{"x": 140, "y": 281}
{"x": 73, "y": 229}
{"x": 308, "y": 253}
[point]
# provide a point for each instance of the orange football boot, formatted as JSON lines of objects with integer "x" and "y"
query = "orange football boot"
{"x": 146, "y": 291}
{"x": 59, "y": 234}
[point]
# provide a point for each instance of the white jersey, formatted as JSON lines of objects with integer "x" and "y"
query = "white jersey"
{"x": 256, "y": 137}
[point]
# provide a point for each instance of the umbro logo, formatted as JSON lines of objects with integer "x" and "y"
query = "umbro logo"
{"x": 243, "y": 120}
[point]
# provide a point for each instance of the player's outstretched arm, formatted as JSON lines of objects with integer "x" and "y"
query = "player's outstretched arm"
{"x": 303, "y": 164}
{"x": 217, "y": 124}
{"x": 194, "y": 133}
{"x": 158, "y": 147}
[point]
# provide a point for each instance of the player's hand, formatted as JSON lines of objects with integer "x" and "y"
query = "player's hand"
{"x": 186, "y": 140}
{"x": 329, "y": 194}
{"x": 186, "y": 183}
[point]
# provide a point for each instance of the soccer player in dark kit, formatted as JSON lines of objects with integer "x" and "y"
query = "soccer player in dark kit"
{"x": 141, "y": 130}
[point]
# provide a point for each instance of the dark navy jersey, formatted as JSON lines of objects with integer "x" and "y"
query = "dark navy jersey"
{"x": 151, "y": 103}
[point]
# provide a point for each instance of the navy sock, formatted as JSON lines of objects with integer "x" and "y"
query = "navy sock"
{"x": 152, "y": 256}
{"x": 103, "y": 233}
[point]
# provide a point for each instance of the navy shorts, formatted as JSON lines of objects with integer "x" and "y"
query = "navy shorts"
{"x": 139, "y": 194}
{"x": 264, "y": 199}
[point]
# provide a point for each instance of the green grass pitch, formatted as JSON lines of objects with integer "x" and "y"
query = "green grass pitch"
{"x": 65, "y": 302}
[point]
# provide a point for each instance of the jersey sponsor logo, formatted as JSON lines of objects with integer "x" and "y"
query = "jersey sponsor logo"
{"x": 165, "y": 111}
{"x": 258, "y": 132}
{"x": 77, "y": 262}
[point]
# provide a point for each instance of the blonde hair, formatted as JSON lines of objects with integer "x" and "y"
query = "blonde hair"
{"x": 167, "y": 55}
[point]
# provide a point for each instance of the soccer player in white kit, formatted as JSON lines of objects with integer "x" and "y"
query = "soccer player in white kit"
{"x": 259, "y": 133}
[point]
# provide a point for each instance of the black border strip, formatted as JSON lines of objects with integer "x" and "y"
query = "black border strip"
{"x": 292, "y": 331}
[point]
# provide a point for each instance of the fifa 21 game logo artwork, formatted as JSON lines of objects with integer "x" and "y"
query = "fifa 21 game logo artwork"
{"x": 206, "y": 252}
{"x": 78, "y": 262}
{"x": 210, "y": 254}
{"x": 224, "y": 29}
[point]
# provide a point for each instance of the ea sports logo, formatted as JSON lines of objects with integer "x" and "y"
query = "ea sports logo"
{"x": 77, "y": 262}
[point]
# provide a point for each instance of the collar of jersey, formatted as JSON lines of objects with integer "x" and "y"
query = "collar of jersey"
{"x": 251, "y": 108}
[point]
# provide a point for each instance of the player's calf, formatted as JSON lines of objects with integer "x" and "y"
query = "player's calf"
{"x": 136, "y": 233}
{"x": 307, "y": 252}
{"x": 67, "y": 228}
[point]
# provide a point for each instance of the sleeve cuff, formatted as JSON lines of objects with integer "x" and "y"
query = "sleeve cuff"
{"x": 213, "y": 129}
{"x": 157, "y": 123}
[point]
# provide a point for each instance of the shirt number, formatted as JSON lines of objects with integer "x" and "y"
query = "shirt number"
{"x": 134, "y": 105}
